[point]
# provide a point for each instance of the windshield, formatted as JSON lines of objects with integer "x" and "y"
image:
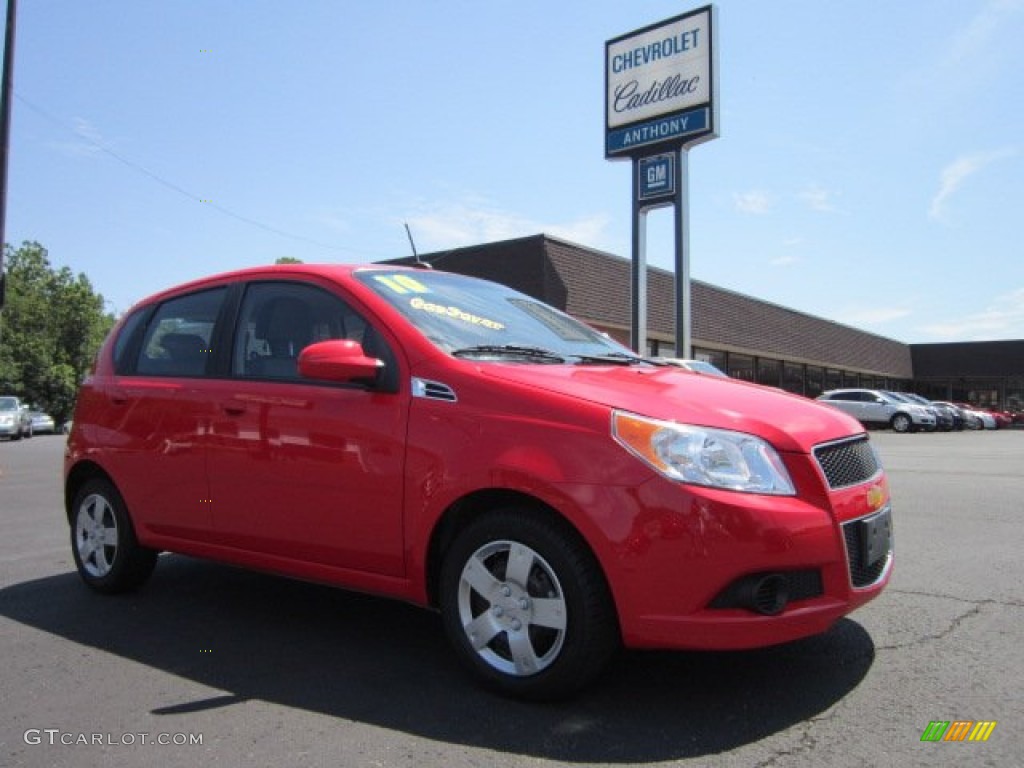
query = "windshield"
{"x": 8, "y": 404}
{"x": 476, "y": 318}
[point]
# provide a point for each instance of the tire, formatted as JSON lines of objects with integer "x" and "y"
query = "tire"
{"x": 901, "y": 422}
{"x": 539, "y": 631}
{"x": 107, "y": 554}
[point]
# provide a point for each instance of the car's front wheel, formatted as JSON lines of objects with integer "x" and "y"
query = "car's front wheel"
{"x": 901, "y": 422}
{"x": 526, "y": 605}
{"x": 107, "y": 554}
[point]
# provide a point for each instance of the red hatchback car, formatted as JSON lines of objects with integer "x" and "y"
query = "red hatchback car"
{"x": 451, "y": 442}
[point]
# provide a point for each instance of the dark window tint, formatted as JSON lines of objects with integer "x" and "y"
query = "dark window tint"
{"x": 278, "y": 320}
{"x": 123, "y": 343}
{"x": 177, "y": 340}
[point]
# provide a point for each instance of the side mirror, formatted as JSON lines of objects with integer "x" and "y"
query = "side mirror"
{"x": 337, "y": 360}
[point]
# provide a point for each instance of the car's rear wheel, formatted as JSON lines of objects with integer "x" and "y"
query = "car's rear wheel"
{"x": 901, "y": 422}
{"x": 526, "y": 605}
{"x": 107, "y": 554}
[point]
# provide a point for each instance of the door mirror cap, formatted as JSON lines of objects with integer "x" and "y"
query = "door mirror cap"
{"x": 337, "y": 360}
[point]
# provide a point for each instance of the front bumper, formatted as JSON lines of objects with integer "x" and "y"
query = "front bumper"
{"x": 679, "y": 571}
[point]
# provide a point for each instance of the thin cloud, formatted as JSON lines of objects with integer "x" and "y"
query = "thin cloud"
{"x": 956, "y": 173}
{"x": 977, "y": 36}
{"x": 755, "y": 201}
{"x": 92, "y": 142}
{"x": 1002, "y": 319}
{"x": 456, "y": 224}
{"x": 819, "y": 199}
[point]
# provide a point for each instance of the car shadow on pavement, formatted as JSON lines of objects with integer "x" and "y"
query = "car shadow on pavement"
{"x": 388, "y": 664}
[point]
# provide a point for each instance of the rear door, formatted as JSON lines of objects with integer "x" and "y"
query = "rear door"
{"x": 158, "y": 414}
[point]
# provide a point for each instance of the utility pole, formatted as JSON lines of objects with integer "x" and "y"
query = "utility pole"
{"x": 6, "y": 94}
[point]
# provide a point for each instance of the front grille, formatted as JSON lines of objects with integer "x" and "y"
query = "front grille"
{"x": 862, "y": 573}
{"x": 847, "y": 463}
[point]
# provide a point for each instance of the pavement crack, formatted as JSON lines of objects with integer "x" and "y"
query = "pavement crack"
{"x": 954, "y": 598}
{"x": 976, "y": 607}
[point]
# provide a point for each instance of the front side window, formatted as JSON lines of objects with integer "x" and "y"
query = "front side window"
{"x": 279, "y": 319}
{"x": 177, "y": 341}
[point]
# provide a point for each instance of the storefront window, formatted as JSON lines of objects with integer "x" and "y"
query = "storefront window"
{"x": 1015, "y": 394}
{"x": 793, "y": 378}
{"x": 769, "y": 372}
{"x": 815, "y": 381}
{"x": 833, "y": 379}
{"x": 741, "y": 367}
{"x": 714, "y": 356}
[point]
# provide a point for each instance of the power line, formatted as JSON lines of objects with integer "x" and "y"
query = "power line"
{"x": 184, "y": 192}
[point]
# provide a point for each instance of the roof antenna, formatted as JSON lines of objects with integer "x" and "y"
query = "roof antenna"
{"x": 419, "y": 264}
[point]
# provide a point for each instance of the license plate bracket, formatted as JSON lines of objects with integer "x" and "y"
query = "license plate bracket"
{"x": 876, "y": 537}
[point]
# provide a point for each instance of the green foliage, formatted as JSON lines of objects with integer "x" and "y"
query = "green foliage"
{"x": 288, "y": 260}
{"x": 50, "y": 329}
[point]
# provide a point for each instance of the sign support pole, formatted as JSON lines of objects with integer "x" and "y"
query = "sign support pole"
{"x": 684, "y": 314}
{"x": 661, "y": 98}
{"x": 638, "y": 283}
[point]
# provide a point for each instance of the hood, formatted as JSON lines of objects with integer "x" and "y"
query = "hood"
{"x": 789, "y": 422}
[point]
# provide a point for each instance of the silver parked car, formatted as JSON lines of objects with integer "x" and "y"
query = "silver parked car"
{"x": 42, "y": 423}
{"x": 15, "y": 421}
{"x": 878, "y": 408}
{"x": 949, "y": 417}
{"x": 970, "y": 418}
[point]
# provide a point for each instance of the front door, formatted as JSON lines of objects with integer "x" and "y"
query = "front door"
{"x": 303, "y": 470}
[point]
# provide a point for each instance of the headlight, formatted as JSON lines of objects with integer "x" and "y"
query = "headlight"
{"x": 703, "y": 456}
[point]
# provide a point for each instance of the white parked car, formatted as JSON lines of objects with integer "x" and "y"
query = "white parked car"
{"x": 879, "y": 408}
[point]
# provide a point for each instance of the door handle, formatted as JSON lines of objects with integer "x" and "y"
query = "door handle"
{"x": 233, "y": 409}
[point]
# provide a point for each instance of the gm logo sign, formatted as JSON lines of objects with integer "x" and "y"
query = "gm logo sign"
{"x": 656, "y": 177}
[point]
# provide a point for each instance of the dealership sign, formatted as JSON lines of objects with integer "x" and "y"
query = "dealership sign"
{"x": 661, "y": 86}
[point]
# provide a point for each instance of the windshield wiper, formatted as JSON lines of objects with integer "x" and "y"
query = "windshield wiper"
{"x": 611, "y": 358}
{"x": 510, "y": 350}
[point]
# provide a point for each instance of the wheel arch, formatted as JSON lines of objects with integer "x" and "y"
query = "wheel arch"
{"x": 460, "y": 513}
{"x": 80, "y": 474}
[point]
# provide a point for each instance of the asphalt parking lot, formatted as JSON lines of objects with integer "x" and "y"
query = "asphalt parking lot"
{"x": 266, "y": 671}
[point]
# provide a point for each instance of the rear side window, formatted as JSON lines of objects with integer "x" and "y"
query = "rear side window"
{"x": 177, "y": 341}
{"x": 123, "y": 344}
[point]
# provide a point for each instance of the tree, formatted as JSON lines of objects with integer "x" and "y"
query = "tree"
{"x": 50, "y": 329}
{"x": 288, "y": 260}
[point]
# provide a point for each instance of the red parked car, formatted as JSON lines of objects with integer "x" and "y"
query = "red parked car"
{"x": 451, "y": 442}
{"x": 1003, "y": 418}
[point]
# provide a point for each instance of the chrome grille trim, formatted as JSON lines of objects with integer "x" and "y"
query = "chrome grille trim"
{"x": 847, "y": 462}
{"x": 864, "y": 576}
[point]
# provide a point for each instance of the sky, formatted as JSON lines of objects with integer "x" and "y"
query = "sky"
{"x": 869, "y": 168}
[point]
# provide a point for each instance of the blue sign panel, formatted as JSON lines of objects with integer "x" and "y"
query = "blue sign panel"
{"x": 656, "y": 177}
{"x": 677, "y": 127}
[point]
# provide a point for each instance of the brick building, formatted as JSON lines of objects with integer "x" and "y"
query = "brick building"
{"x": 748, "y": 338}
